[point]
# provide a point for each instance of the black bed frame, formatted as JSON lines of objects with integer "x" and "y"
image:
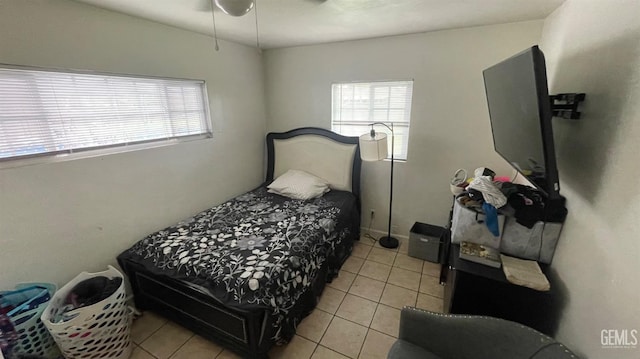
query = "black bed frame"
{"x": 238, "y": 330}
{"x": 357, "y": 161}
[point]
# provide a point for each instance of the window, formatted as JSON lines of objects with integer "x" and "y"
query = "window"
{"x": 356, "y": 105}
{"x": 46, "y": 112}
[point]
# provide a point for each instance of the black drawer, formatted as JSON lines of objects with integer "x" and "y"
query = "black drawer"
{"x": 205, "y": 314}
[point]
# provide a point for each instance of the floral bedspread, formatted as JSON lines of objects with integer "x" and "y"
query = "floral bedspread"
{"x": 256, "y": 250}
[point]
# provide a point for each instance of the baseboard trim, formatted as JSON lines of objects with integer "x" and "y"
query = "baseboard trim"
{"x": 376, "y": 233}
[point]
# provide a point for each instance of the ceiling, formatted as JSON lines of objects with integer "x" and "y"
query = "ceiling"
{"x": 284, "y": 23}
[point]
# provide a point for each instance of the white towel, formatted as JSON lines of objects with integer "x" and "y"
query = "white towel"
{"x": 490, "y": 191}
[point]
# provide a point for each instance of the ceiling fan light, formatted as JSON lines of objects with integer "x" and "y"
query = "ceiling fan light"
{"x": 235, "y": 7}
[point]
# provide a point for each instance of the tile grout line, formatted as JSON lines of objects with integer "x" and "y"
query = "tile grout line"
{"x": 331, "y": 321}
{"x": 430, "y": 295}
{"x": 323, "y": 332}
{"x": 393, "y": 265}
{"x": 314, "y": 350}
{"x": 322, "y": 336}
{"x": 183, "y": 344}
{"x": 348, "y": 320}
{"x": 374, "y": 315}
{"x": 379, "y": 262}
{"x": 150, "y": 335}
{"x": 336, "y": 315}
{"x": 420, "y": 286}
{"x": 219, "y": 354}
{"x": 377, "y": 306}
{"x": 366, "y": 276}
{"x": 144, "y": 350}
{"x": 172, "y": 353}
{"x": 395, "y": 256}
{"x": 369, "y": 328}
{"x": 432, "y": 276}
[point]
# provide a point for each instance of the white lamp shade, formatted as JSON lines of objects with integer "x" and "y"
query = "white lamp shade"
{"x": 235, "y": 7}
{"x": 373, "y": 148}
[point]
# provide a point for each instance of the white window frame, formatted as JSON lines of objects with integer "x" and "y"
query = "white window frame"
{"x": 348, "y": 127}
{"x": 166, "y": 119}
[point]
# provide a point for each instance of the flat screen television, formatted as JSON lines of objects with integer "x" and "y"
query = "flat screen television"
{"x": 520, "y": 112}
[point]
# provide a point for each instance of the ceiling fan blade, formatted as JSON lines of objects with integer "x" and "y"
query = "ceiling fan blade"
{"x": 203, "y": 5}
{"x": 235, "y": 7}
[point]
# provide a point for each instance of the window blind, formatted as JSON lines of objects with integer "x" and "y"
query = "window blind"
{"x": 356, "y": 105}
{"x": 49, "y": 112}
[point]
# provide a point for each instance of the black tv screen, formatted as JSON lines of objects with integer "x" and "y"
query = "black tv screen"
{"x": 520, "y": 112}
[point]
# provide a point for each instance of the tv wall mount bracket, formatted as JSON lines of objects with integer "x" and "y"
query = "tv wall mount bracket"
{"x": 565, "y": 105}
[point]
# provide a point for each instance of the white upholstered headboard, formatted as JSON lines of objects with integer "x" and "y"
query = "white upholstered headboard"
{"x": 323, "y": 153}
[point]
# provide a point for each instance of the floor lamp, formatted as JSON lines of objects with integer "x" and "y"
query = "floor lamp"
{"x": 373, "y": 147}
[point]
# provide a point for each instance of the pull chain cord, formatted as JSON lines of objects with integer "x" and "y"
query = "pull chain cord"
{"x": 215, "y": 33}
{"x": 255, "y": 6}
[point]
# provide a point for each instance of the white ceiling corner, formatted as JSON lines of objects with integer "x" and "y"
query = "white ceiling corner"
{"x": 284, "y": 23}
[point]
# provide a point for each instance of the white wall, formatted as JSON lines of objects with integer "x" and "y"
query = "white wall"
{"x": 594, "y": 47}
{"x": 449, "y": 120}
{"x": 59, "y": 219}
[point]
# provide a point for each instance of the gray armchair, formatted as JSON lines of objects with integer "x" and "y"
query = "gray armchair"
{"x": 429, "y": 335}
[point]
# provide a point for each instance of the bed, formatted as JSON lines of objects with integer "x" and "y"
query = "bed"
{"x": 246, "y": 272}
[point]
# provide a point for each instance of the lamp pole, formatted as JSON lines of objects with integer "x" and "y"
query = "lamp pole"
{"x": 388, "y": 241}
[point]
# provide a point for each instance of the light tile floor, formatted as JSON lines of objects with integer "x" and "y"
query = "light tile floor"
{"x": 357, "y": 317}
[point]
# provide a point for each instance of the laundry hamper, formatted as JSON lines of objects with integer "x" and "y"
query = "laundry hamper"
{"x": 32, "y": 336}
{"x": 100, "y": 330}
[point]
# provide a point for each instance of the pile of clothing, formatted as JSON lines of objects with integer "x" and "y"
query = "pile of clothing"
{"x": 8, "y": 334}
{"x": 526, "y": 204}
{"x": 86, "y": 293}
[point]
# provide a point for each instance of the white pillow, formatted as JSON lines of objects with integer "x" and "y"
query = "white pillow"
{"x": 298, "y": 184}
